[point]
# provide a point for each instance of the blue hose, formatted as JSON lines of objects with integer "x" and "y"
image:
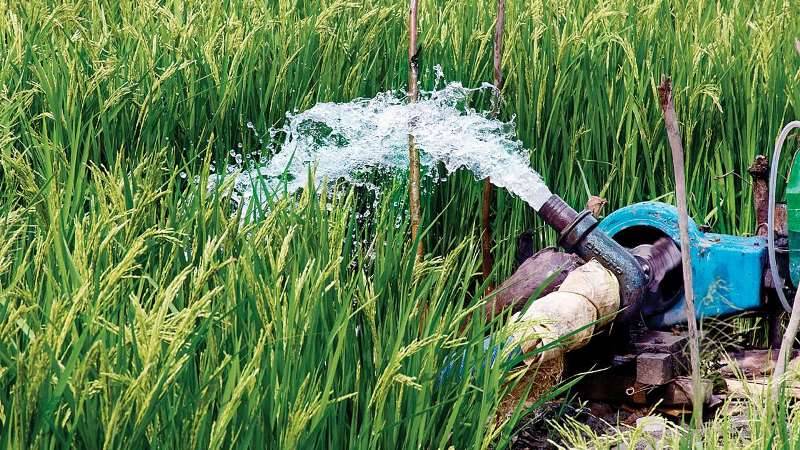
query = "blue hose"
{"x": 455, "y": 367}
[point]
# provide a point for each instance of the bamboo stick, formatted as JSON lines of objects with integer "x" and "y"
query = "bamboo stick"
{"x": 488, "y": 189}
{"x": 674, "y": 136}
{"x": 413, "y": 153}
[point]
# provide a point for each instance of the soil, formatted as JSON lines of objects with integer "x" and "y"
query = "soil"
{"x": 536, "y": 432}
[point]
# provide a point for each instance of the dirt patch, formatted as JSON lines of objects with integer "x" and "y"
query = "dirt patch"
{"x": 536, "y": 431}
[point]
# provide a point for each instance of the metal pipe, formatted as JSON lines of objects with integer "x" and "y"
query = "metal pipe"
{"x": 578, "y": 234}
{"x": 542, "y": 273}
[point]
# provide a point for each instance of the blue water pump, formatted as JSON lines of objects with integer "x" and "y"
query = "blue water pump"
{"x": 640, "y": 245}
{"x": 728, "y": 271}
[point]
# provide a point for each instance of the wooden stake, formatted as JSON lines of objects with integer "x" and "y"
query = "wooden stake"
{"x": 499, "y": 27}
{"x": 674, "y": 136}
{"x": 413, "y": 154}
{"x": 488, "y": 189}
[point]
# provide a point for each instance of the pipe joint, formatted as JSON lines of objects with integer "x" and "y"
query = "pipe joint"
{"x": 578, "y": 233}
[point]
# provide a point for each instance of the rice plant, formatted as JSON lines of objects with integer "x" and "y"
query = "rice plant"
{"x": 137, "y": 310}
{"x": 155, "y": 318}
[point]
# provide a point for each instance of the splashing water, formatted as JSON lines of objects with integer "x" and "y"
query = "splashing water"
{"x": 343, "y": 140}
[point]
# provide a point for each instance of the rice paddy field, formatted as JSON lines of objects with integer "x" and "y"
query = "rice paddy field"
{"x": 141, "y": 309}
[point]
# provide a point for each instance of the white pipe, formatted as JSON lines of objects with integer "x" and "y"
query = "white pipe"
{"x": 587, "y": 299}
{"x": 777, "y": 281}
